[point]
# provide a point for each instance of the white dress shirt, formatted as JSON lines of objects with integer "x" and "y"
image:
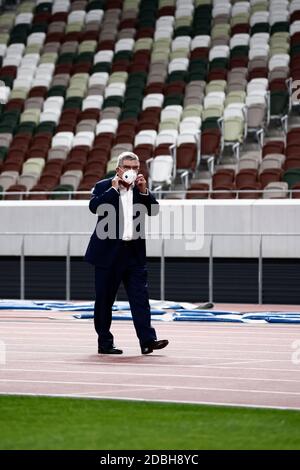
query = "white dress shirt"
{"x": 127, "y": 206}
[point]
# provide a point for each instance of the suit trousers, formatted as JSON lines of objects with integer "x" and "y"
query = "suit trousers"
{"x": 126, "y": 268}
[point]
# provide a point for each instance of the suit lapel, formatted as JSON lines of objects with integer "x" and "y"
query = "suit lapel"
{"x": 135, "y": 198}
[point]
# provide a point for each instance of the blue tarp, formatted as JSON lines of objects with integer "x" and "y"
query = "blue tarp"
{"x": 160, "y": 310}
{"x": 230, "y": 318}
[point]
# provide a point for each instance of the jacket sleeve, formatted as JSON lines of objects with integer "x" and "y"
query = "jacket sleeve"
{"x": 150, "y": 202}
{"x": 103, "y": 195}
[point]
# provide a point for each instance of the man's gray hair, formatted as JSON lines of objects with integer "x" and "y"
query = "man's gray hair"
{"x": 126, "y": 156}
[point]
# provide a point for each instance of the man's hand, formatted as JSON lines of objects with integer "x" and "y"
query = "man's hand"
{"x": 115, "y": 182}
{"x": 141, "y": 183}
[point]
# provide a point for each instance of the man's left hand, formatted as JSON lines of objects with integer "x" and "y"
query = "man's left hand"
{"x": 141, "y": 183}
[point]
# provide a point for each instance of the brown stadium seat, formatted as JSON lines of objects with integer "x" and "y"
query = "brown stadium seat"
{"x": 296, "y": 195}
{"x": 292, "y": 150}
{"x": 292, "y": 162}
{"x": 250, "y": 191}
{"x": 203, "y": 189}
{"x": 84, "y": 187}
{"x": 246, "y": 177}
{"x": 74, "y": 165}
{"x": 217, "y": 74}
{"x": 38, "y": 91}
{"x": 222, "y": 177}
{"x": 186, "y": 156}
{"x": 95, "y": 167}
{"x": 21, "y": 142}
{"x": 240, "y": 29}
{"x": 227, "y": 191}
{"x": 12, "y": 165}
{"x": 16, "y": 103}
{"x": 259, "y": 72}
{"x": 49, "y": 180}
{"x": 270, "y": 176}
{"x": 162, "y": 149}
{"x": 89, "y": 113}
{"x": 155, "y": 87}
{"x": 210, "y": 142}
{"x": 144, "y": 152}
{"x": 38, "y": 188}
{"x": 125, "y": 137}
{"x": 145, "y": 32}
{"x": 42, "y": 139}
{"x": 293, "y": 136}
{"x": 15, "y": 188}
{"x": 16, "y": 155}
{"x": 174, "y": 88}
{"x": 9, "y": 70}
{"x": 41, "y": 152}
{"x": 199, "y": 53}
{"x": 273, "y": 146}
{"x": 106, "y": 45}
{"x": 79, "y": 152}
{"x": 53, "y": 167}
{"x": 166, "y": 11}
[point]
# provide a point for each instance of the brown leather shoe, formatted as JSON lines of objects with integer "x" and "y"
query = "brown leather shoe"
{"x": 155, "y": 344}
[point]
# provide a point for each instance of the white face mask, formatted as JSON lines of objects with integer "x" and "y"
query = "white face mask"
{"x": 129, "y": 176}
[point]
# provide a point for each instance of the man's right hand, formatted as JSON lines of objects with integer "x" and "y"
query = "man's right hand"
{"x": 115, "y": 182}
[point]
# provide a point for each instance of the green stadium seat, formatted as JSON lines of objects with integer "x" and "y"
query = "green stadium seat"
{"x": 62, "y": 188}
{"x": 292, "y": 176}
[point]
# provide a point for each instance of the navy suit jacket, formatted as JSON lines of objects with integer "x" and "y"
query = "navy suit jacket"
{"x": 104, "y": 251}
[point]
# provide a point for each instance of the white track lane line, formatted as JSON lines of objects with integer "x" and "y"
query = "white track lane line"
{"x": 152, "y": 364}
{"x": 156, "y": 400}
{"x": 138, "y": 374}
{"x": 158, "y": 387}
{"x": 133, "y": 343}
{"x": 183, "y": 365}
{"x": 265, "y": 340}
{"x": 91, "y": 342}
{"x": 251, "y": 330}
{"x": 81, "y": 341}
{"x": 165, "y": 356}
{"x": 199, "y": 349}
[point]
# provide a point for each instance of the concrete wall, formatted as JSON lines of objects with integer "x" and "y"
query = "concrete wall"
{"x": 239, "y": 216}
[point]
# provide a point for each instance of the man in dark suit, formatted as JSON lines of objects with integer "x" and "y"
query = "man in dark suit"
{"x": 117, "y": 249}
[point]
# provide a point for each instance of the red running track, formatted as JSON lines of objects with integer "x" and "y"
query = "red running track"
{"x": 229, "y": 364}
